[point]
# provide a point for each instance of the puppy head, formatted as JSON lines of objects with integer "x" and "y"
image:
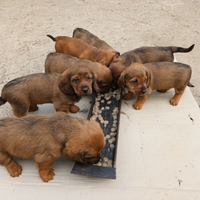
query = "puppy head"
{"x": 86, "y": 145}
{"x": 116, "y": 67}
{"x": 136, "y": 78}
{"x": 78, "y": 80}
{"x": 104, "y": 79}
{"x": 107, "y": 56}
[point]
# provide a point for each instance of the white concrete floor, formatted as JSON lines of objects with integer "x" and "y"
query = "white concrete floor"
{"x": 158, "y": 153}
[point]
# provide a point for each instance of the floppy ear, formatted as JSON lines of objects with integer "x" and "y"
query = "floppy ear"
{"x": 148, "y": 74}
{"x": 116, "y": 57}
{"x": 64, "y": 83}
{"x": 70, "y": 151}
{"x": 94, "y": 83}
{"x": 121, "y": 82}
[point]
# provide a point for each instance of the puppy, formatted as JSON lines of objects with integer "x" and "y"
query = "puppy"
{"x": 144, "y": 55}
{"x": 91, "y": 39}
{"x": 63, "y": 90}
{"x": 58, "y": 63}
{"x": 141, "y": 79}
{"x": 80, "y": 49}
{"x": 46, "y": 138}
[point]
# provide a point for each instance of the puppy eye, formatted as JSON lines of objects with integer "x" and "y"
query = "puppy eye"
{"x": 76, "y": 80}
{"x": 145, "y": 80}
{"x": 135, "y": 82}
{"x": 89, "y": 78}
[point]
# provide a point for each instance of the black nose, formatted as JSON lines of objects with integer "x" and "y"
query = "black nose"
{"x": 143, "y": 91}
{"x": 85, "y": 89}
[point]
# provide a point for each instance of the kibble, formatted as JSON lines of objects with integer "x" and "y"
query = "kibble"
{"x": 104, "y": 113}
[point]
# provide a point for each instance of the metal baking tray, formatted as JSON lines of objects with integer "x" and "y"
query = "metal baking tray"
{"x": 105, "y": 109}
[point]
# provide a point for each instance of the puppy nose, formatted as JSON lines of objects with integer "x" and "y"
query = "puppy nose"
{"x": 85, "y": 89}
{"x": 143, "y": 91}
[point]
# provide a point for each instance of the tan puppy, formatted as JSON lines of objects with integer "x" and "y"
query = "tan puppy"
{"x": 141, "y": 79}
{"x": 144, "y": 55}
{"x": 59, "y": 62}
{"x": 46, "y": 138}
{"x": 63, "y": 90}
{"x": 91, "y": 39}
{"x": 80, "y": 49}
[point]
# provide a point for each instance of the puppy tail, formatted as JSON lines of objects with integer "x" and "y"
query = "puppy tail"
{"x": 181, "y": 49}
{"x": 190, "y": 85}
{"x": 53, "y": 38}
{"x": 2, "y": 101}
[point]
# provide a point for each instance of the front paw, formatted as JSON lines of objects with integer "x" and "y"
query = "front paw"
{"x": 137, "y": 105}
{"x": 74, "y": 109}
{"x": 174, "y": 102}
{"x": 47, "y": 176}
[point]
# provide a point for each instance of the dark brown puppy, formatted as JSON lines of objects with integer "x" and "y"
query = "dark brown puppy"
{"x": 46, "y": 138}
{"x": 144, "y": 55}
{"x": 91, "y": 39}
{"x": 80, "y": 49}
{"x": 63, "y": 90}
{"x": 141, "y": 79}
{"x": 59, "y": 62}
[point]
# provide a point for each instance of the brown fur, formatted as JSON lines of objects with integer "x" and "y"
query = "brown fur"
{"x": 45, "y": 139}
{"x": 58, "y": 62}
{"x": 144, "y": 55}
{"x": 63, "y": 90}
{"x": 80, "y": 49}
{"x": 141, "y": 79}
{"x": 91, "y": 39}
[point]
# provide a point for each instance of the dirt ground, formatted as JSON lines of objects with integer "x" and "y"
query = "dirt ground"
{"x": 125, "y": 25}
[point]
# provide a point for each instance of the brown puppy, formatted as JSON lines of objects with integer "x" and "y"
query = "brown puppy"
{"x": 80, "y": 49}
{"x": 63, "y": 90}
{"x": 46, "y": 138}
{"x": 141, "y": 79}
{"x": 59, "y": 62}
{"x": 91, "y": 39}
{"x": 144, "y": 55}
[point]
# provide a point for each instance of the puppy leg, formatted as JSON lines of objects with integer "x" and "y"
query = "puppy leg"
{"x": 74, "y": 109}
{"x": 33, "y": 108}
{"x": 20, "y": 109}
{"x": 140, "y": 102}
{"x": 128, "y": 96}
{"x": 45, "y": 170}
{"x": 13, "y": 168}
{"x": 176, "y": 98}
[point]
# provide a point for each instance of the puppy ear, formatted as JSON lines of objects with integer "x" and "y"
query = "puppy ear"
{"x": 121, "y": 81}
{"x": 148, "y": 74}
{"x": 116, "y": 57}
{"x": 64, "y": 83}
{"x": 94, "y": 84}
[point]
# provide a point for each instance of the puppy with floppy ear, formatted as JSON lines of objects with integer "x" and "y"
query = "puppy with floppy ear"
{"x": 144, "y": 55}
{"x": 141, "y": 79}
{"x": 77, "y": 139}
{"x": 63, "y": 90}
{"x": 80, "y": 49}
{"x": 59, "y": 62}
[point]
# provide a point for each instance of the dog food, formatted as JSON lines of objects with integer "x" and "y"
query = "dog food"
{"x": 105, "y": 110}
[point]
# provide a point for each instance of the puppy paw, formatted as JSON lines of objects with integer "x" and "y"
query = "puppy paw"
{"x": 137, "y": 105}
{"x": 14, "y": 170}
{"x": 127, "y": 96}
{"x": 174, "y": 102}
{"x": 47, "y": 176}
{"x": 74, "y": 109}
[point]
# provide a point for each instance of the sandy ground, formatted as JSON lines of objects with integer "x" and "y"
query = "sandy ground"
{"x": 125, "y": 25}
